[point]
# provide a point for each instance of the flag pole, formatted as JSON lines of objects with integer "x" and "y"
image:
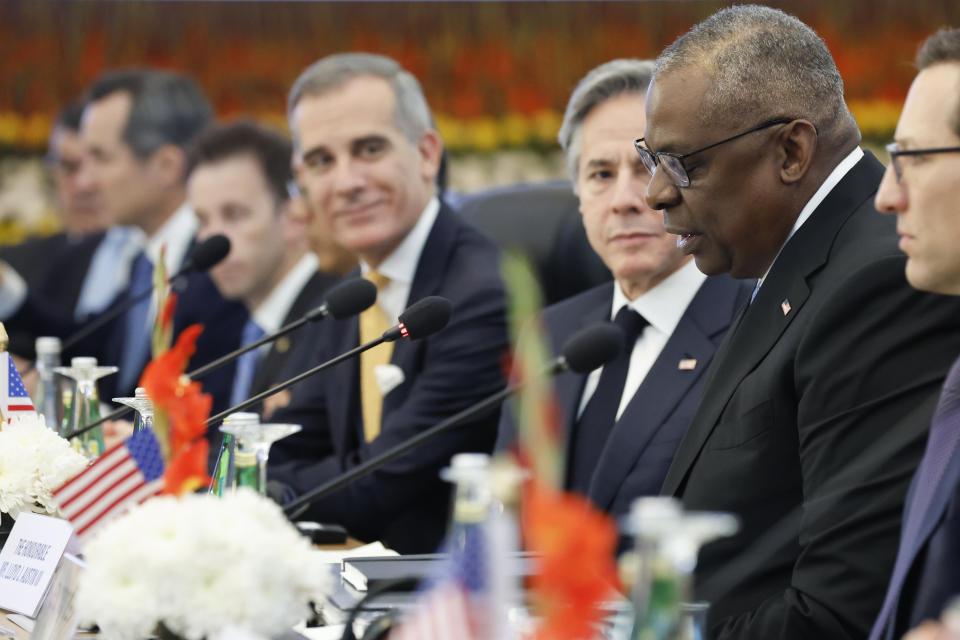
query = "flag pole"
{"x": 4, "y": 341}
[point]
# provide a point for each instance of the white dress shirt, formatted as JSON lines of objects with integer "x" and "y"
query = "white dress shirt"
{"x": 662, "y": 307}
{"x": 109, "y": 271}
{"x": 832, "y": 180}
{"x": 401, "y": 265}
{"x": 271, "y": 313}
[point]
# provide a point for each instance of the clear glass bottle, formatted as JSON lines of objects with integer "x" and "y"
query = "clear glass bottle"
{"x": 250, "y": 438}
{"x": 85, "y": 402}
{"x": 667, "y": 543}
{"x": 49, "y": 399}
{"x": 472, "y": 498}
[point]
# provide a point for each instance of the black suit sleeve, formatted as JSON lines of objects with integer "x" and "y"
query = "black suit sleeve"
{"x": 867, "y": 374}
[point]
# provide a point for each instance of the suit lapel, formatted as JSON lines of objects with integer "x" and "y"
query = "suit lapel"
{"x": 427, "y": 281}
{"x": 945, "y": 490}
{"x": 568, "y": 386}
{"x": 779, "y": 301}
{"x": 663, "y": 388}
{"x": 344, "y": 417}
{"x": 280, "y": 350}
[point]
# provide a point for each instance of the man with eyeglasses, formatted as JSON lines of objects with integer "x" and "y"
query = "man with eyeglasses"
{"x": 817, "y": 408}
{"x": 623, "y": 422}
{"x": 920, "y": 187}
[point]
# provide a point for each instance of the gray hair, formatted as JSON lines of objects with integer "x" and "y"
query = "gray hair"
{"x": 765, "y": 64}
{"x": 167, "y": 108}
{"x": 609, "y": 80}
{"x": 412, "y": 114}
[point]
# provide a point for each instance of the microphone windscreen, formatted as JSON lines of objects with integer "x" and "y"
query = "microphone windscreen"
{"x": 593, "y": 347}
{"x": 208, "y": 253}
{"x": 350, "y": 297}
{"x": 425, "y": 317}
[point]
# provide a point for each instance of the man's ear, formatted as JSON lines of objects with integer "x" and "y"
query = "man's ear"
{"x": 798, "y": 144}
{"x": 169, "y": 161}
{"x": 430, "y": 148}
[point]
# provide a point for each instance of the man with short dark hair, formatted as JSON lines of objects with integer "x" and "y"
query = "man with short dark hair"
{"x": 817, "y": 407}
{"x": 623, "y": 422}
{"x": 370, "y": 158}
{"x": 135, "y": 128}
{"x": 920, "y": 186}
{"x": 238, "y": 181}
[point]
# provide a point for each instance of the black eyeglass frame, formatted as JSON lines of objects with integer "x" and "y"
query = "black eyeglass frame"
{"x": 893, "y": 148}
{"x": 651, "y": 160}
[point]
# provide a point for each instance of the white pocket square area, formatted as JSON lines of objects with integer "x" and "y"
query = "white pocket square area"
{"x": 389, "y": 377}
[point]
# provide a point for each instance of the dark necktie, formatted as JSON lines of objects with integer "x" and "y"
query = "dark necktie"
{"x": 598, "y": 417}
{"x": 136, "y": 339}
{"x": 246, "y": 364}
{"x": 941, "y": 445}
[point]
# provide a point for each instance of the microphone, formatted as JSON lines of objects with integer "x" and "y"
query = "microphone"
{"x": 343, "y": 300}
{"x": 206, "y": 254}
{"x": 590, "y": 349}
{"x": 202, "y": 257}
{"x": 421, "y": 319}
{"x": 585, "y": 351}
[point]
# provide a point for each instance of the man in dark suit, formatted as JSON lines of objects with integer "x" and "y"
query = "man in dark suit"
{"x": 238, "y": 181}
{"x": 134, "y": 130}
{"x": 370, "y": 158}
{"x": 623, "y": 422}
{"x": 54, "y": 265}
{"x": 818, "y": 402}
{"x": 920, "y": 187}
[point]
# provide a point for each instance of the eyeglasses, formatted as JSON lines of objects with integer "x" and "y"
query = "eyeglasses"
{"x": 895, "y": 152}
{"x": 673, "y": 162}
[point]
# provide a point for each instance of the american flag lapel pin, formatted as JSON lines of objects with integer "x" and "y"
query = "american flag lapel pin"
{"x": 785, "y": 306}
{"x": 687, "y": 364}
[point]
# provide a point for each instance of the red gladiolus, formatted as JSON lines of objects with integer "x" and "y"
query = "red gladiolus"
{"x": 188, "y": 469}
{"x": 577, "y": 570}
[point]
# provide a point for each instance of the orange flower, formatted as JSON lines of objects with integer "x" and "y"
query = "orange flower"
{"x": 181, "y": 410}
{"x": 188, "y": 469}
{"x": 577, "y": 570}
{"x": 189, "y": 413}
{"x": 161, "y": 378}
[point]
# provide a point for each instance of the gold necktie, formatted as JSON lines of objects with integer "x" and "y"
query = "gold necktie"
{"x": 373, "y": 322}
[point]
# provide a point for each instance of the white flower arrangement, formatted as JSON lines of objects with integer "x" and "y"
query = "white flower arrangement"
{"x": 34, "y": 461}
{"x": 200, "y": 565}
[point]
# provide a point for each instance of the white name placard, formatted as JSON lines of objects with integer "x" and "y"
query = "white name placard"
{"x": 29, "y": 559}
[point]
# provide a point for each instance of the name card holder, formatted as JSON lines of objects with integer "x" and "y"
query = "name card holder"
{"x": 29, "y": 560}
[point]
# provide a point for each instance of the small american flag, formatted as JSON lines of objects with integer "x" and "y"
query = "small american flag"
{"x": 456, "y": 605}
{"x": 13, "y": 397}
{"x": 124, "y": 476}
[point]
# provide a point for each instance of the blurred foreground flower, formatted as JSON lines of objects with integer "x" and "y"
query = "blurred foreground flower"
{"x": 34, "y": 461}
{"x": 199, "y": 565}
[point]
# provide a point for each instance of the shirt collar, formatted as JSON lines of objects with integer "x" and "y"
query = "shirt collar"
{"x": 274, "y": 309}
{"x": 832, "y": 180}
{"x": 175, "y": 235}
{"x": 664, "y": 305}
{"x": 401, "y": 265}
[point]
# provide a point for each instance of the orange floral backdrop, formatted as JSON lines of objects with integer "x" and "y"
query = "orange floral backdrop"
{"x": 497, "y": 73}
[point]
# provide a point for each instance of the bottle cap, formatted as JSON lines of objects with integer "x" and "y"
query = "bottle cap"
{"x": 47, "y": 345}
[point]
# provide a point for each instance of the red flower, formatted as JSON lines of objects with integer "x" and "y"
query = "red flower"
{"x": 181, "y": 410}
{"x": 188, "y": 469}
{"x": 577, "y": 569}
